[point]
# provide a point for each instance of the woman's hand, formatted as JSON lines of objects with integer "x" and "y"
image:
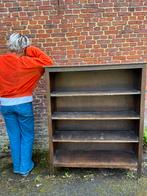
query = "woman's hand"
{"x": 22, "y": 52}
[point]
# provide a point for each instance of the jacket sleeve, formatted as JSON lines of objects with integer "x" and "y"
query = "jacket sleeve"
{"x": 36, "y": 57}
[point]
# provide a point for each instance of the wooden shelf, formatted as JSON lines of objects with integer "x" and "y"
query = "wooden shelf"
{"x": 95, "y": 159}
{"x": 95, "y": 115}
{"x": 94, "y": 93}
{"x": 96, "y": 136}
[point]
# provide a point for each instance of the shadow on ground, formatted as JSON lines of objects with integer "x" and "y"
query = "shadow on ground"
{"x": 71, "y": 182}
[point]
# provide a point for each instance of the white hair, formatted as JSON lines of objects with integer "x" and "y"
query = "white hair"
{"x": 17, "y": 42}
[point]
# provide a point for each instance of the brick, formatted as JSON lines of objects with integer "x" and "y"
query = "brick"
{"x": 133, "y": 57}
{"x": 2, "y": 9}
{"x": 76, "y": 32}
{"x": 119, "y": 58}
{"x": 35, "y": 26}
{"x": 15, "y": 9}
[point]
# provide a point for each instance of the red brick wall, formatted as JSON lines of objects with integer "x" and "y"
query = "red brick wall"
{"x": 77, "y": 32}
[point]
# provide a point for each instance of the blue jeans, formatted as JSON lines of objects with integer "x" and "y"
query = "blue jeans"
{"x": 19, "y": 120}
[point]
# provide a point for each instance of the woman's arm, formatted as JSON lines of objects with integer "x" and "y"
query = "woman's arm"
{"x": 35, "y": 52}
{"x": 34, "y": 57}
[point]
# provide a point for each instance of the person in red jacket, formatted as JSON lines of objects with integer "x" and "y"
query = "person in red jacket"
{"x": 20, "y": 70}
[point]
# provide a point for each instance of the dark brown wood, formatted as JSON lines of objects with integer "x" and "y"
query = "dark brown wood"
{"x": 90, "y": 146}
{"x": 50, "y": 124}
{"x": 97, "y": 125}
{"x": 96, "y": 136}
{"x": 102, "y": 80}
{"x": 120, "y": 104}
{"x": 96, "y": 115}
{"x": 141, "y": 128}
{"x": 94, "y": 93}
{"x": 72, "y": 68}
{"x": 95, "y": 159}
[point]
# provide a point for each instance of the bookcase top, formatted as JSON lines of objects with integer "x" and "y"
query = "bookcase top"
{"x": 66, "y": 68}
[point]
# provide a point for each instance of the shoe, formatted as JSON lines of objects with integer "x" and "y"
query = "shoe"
{"x": 28, "y": 172}
{"x": 16, "y": 172}
{"x": 25, "y": 175}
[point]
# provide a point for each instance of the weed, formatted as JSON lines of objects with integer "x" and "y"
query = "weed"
{"x": 5, "y": 148}
{"x": 145, "y": 135}
{"x": 131, "y": 175}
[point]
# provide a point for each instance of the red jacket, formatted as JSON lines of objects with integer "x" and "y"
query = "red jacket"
{"x": 19, "y": 75}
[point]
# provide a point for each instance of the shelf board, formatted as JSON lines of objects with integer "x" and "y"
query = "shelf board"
{"x": 95, "y": 115}
{"x": 96, "y": 136}
{"x": 94, "y": 93}
{"x": 95, "y": 159}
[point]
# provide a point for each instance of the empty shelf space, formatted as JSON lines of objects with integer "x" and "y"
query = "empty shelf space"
{"x": 95, "y": 159}
{"x": 94, "y": 93}
{"x": 95, "y": 136}
{"x": 95, "y": 115}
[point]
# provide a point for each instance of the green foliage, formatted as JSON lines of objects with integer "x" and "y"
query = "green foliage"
{"x": 131, "y": 175}
{"x": 145, "y": 135}
{"x": 67, "y": 175}
{"x": 38, "y": 179}
{"x": 5, "y": 148}
{"x": 41, "y": 157}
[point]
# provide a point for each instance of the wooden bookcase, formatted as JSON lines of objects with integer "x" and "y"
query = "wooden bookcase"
{"x": 96, "y": 116}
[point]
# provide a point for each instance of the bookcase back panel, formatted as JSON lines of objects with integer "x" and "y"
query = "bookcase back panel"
{"x": 96, "y": 116}
{"x": 96, "y": 80}
{"x": 97, "y": 146}
{"x": 97, "y": 103}
{"x": 96, "y": 125}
